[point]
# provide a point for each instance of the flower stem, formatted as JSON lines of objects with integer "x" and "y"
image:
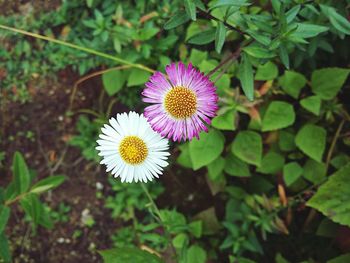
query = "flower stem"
{"x": 85, "y": 49}
{"x": 152, "y": 202}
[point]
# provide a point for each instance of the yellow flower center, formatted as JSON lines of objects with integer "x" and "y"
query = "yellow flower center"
{"x": 133, "y": 150}
{"x": 180, "y": 102}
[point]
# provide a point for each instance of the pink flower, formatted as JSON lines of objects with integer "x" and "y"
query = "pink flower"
{"x": 181, "y": 105}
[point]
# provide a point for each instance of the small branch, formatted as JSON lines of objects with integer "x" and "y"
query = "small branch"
{"x": 232, "y": 57}
{"x": 334, "y": 141}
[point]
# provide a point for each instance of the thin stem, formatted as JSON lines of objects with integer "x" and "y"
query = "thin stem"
{"x": 18, "y": 197}
{"x": 151, "y": 201}
{"x": 233, "y": 56}
{"x": 335, "y": 138}
{"x": 85, "y": 49}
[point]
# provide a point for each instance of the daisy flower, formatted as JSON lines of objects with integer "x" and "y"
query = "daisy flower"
{"x": 131, "y": 149}
{"x": 183, "y": 104}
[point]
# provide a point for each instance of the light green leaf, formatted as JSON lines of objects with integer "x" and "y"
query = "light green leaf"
{"x": 122, "y": 255}
{"x": 333, "y": 198}
{"x": 247, "y": 146}
{"x": 47, "y": 184}
{"x": 225, "y": 121}
{"x": 314, "y": 171}
{"x": 180, "y": 240}
{"x": 266, "y": 71}
{"x": 327, "y": 82}
{"x": 178, "y": 19}
{"x": 4, "y": 217}
{"x": 271, "y": 163}
{"x": 312, "y": 104}
{"x": 195, "y": 228}
{"x": 292, "y": 13}
{"x": 337, "y": 20}
{"x": 138, "y": 77}
{"x": 211, "y": 144}
{"x": 21, "y": 174}
{"x": 220, "y": 37}
{"x": 258, "y": 52}
{"x": 291, "y": 173}
{"x": 215, "y": 168}
{"x": 236, "y": 167}
{"x": 292, "y": 82}
{"x": 278, "y": 115}
{"x": 203, "y": 38}
{"x": 190, "y": 9}
{"x": 245, "y": 75}
{"x": 308, "y": 30}
{"x": 197, "y": 56}
{"x": 196, "y": 254}
{"x": 113, "y": 81}
{"x": 311, "y": 140}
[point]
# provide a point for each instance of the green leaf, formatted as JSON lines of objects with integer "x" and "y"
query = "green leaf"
{"x": 271, "y": 163}
{"x": 222, "y": 3}
{"x": 345, "y": 258}
{"x": 278, "y": 115}
{"x": 258, "y": 52}
{"x": 247, "y": 146}
{"x": 220, "y": 37}
{"x": 333, "y": 197}
{"x": 245, "y": 75}
{"x": 292, "y": 82}
{"x": 291, "y": 173}
{"x": 308, "y": 30}
{"x": 195, "y": 228}
{"x": 138, "y": 77}
{"x": 178, "y": 19}
{"x": 197, "y": 56}
{"x": 311, "y": 140}
{"x": 47, "y": 184}
{"x": 236, "y": 167}
{"x": 292, "y": 13}
{"x": 327, "y": 82}
{"x": 286, "y": 141}
{"x": 190, "y": 8}
{"x": 225, "y": 121}
{"x": 21, "y": 174}
{"x": 196, "y": 254}
{"x": 4, "y": 217}
{"x": 113, "y": 81}
{"x": 215, "y": 168}
{"x": 5, "y": 253}
{"x": 266, "y": 71}
{"x": 211, "y": 144}
{"x": 122, "y": 255}
{"x": 283, "y": 53}
{"x": 203, "y": 38}
{"x": 314, "y": 171}
{"x": 312, "y": 104}
{"x": 337, "y": 20}
{"x": 184, "y": 158}
{"x": 32, "y": 206}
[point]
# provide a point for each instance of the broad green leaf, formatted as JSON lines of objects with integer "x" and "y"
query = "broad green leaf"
{"x": 220, "y": 37}
{"x": 184, "y": 158}
{"x": 340, "y": 160}
{"x": 123, "y": 255}
{"x": 215, "y": 168}
{"x": 345, "y": 258}
{"x": 180, "y": 240}
{"x": 4, "y": 216}
{"x": 236, "y": 167}
{"x": 266, "y": 71}
{"x": 245, "y": 75}
{"x": 271, "y": 163}
{"x": 278, "y": 115}
{"x": 113, "y": 81}
{"x": 178, "y": 19}
{"x": 312, "y": 104}
{"x": 308, "y": 30}
{"x": 47, "y": 184}
{"x": 247, "y": 146}
{"x": 291, "y": 173}
{"x": 225, "y": 121}
{"x": 211, "y": 144}
{"x": 337, "y": 20}
{"x": 327, "y": 82}
{"x": 197, "y": 56}
{"x": 292, "y": 82}
{"x": 258, "y": 52}
{"x": 333, "y": 197}
{"x": 190, "y": 8}
{"x": 21, "y": 174}
{"x": 311, "y": 140}
{"x": 5, "y": 253}
{"x": 138, "y": 77}
{"x": 314, "y": 171}
{"x": 196, "y": 254}
{"x": 203, "y": 38}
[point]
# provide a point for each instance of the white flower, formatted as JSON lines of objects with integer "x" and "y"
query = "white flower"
{"x": 131, "y": 149}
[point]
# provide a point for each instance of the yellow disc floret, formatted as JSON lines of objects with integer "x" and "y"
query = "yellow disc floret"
{"x": 180, "y": 102}
{"x": 133, "y": 150}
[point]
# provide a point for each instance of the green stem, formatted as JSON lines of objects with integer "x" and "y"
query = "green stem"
{"x": 85, "y": 49}
{"x": 152, "y": 202}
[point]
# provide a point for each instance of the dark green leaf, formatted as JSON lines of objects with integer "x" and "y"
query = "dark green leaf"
{"x": 113, "y": 81}
{"x": 123, "y": 255}
{"x": 236, "y": 167}
{"x": 203, "y": 38}
{"x": 47, "y": 184}
{"x": 345, "y": 258}
{"x": 5, "y": 253}
{"x": 215, "y": 168}
{"x": 247, "y": 146}
{"x": 283, "y": 53}
{"x": 220, "y": 37}
{"x": 314, "y": 171}
{"x": 4, "y": 217}
{"x": 259, "y": 52}
{"x": 245, "y": 75}
{"x": 271, "y": 163}
{"x": 21, "y": 174}
{"x": 178, "y": 19}
{"x": 291, "y": 173}
{"x": 190, "y": 8}
{"x": 278, "y": 115}
{"x": 286, "y": 141}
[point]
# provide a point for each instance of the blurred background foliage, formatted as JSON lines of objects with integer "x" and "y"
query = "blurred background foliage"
{"x": 268, "y": 183}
